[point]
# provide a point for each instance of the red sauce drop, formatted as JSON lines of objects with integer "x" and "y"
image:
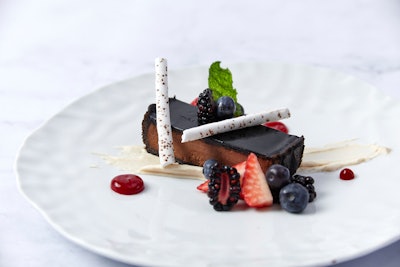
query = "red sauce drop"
{"x": 127, "y": 184}
{"x": 277, "y": 125}
{"x": 346, "y": 174}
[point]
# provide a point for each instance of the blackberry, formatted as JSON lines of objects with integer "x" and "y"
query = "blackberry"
{"x": 206, "y": 108}
{"x": 224, "y": 187}
{"x": 308, "y": 183}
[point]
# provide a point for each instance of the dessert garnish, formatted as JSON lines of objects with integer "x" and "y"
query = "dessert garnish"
{"x": 308, "y": 183}
{"x": 173, "y": 170}
{"x": 226, "y": 107}
{"x": 219, "y": 101}
{"x": 223, "y": 187}
{"x": 335, "y": 156}
{"x": 221, "y": 83}
{"x": 294, "y": 198}
{"x": 127, "y": 184}
{"x": 277, "y": 176}
{"x": 228, "y": 125}
{"x": 346, "y": 174}
{"x": 256, "y": 188}
{"x": 207, "y": 167}
{"x": 206, "y": 107}
{"x": 165, "y": 145}
{"x": 277, "y": 125}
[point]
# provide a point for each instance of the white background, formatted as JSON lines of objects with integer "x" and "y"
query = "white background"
{"x": 53, "y": 52}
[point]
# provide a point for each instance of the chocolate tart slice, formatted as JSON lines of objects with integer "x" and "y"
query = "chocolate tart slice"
{"x": 270, "y": 146}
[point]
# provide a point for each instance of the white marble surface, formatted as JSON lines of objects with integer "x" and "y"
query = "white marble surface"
{"x": 53, "y": 52}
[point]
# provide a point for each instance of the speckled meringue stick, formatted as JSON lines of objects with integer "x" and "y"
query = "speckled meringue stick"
{"x": 165, "y": 146}
{"x": 227, "y": 125}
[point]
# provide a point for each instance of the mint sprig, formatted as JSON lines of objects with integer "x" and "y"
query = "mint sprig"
{"x": 221, "y": 83}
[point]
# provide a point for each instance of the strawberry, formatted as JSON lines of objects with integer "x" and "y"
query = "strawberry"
{"x": 277, "y": 125}
{"x": 194, "y": 102}
{"x": 241, "y": 167}
{"x": 255, "y": 190}
{"x": 203, "y": 187}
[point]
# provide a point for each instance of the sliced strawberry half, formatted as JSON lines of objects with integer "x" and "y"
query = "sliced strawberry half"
{"x": 277, "y": 125}
{"x": 255, "y": 190}
{"x": 194, "y": 102}
{"x": 241, "y": 167}
{"x": 203, "y": 187}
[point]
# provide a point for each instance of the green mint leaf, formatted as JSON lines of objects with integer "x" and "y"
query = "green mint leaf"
{"x": 220, "y": 82}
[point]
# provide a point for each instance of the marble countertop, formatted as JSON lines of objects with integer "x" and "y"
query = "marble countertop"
{"x": 53, "y": 52}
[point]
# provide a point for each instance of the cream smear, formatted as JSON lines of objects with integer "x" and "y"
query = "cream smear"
{"x": 135, "y": 159}
{"x": 338, "y": 155}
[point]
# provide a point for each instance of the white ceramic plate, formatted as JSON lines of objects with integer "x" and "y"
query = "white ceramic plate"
{"x": 171, "y": 223}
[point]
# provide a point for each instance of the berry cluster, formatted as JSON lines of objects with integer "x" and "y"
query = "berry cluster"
{"x": 245, "y": 180}
{"x": 209, "y": 110}
{"x": 292, "y": 192}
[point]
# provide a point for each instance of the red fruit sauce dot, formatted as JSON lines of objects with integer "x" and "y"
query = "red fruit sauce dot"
{"x": 277, "y": 125}
{"x": 346, "y": 174}
{"x": 127, "y": 184}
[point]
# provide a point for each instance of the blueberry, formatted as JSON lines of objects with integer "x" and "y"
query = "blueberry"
{"x": 294, "y": 198}
{"x": 208, "y": 164}
{"x": 225, "y": 107}
{"x": 277, "y": 176}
